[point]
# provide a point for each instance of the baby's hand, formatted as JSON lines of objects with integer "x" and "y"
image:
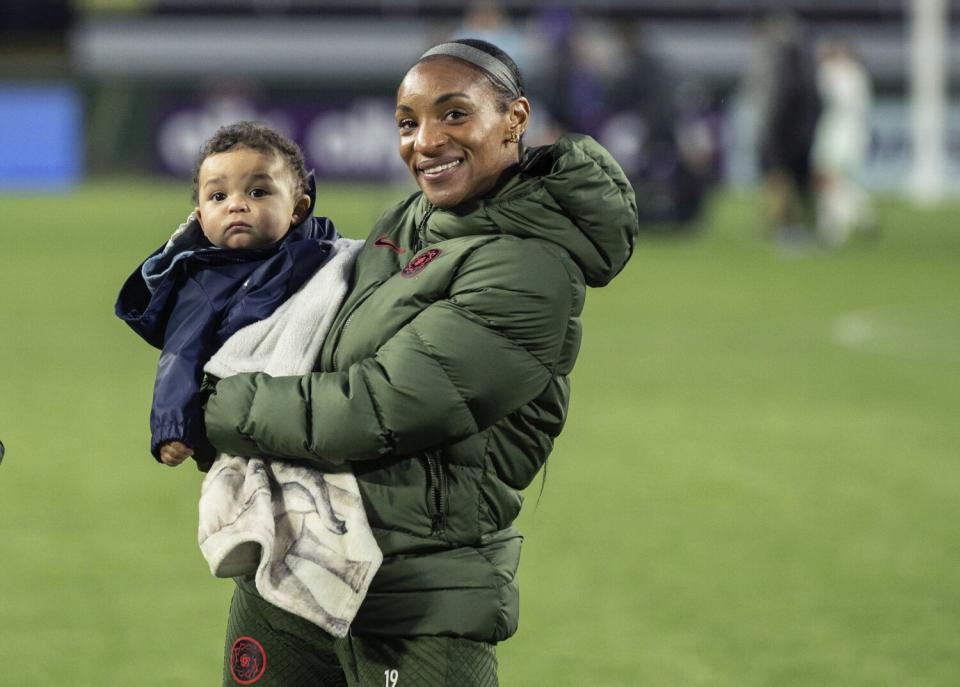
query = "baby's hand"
{"x": 173, "y": 453}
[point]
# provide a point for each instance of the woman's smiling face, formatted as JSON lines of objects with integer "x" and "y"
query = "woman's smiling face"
{"x": 453, "y": 136}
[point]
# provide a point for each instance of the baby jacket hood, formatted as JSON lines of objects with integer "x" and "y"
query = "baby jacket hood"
{"x": 146, "y": 295}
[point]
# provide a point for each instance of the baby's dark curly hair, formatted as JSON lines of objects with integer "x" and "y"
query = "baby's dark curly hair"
{"x": 256, "y": 136}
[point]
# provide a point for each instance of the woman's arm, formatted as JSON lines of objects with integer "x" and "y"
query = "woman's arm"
{"x": 461, "y": 365}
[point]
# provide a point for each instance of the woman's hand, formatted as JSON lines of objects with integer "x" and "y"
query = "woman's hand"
{"x": 173, "y": 453}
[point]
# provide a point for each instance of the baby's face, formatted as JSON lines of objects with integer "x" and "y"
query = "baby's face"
{"x": 247, "y": 199}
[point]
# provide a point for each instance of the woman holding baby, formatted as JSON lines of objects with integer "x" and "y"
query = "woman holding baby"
{"x": 443, "y": 380}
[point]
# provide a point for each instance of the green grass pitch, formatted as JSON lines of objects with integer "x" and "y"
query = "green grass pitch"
{"x": 757, "y": 485}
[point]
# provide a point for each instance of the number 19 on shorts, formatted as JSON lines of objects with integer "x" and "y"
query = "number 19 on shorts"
{"x": 390, "y": 677}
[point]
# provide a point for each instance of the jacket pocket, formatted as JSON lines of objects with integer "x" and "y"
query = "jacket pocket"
{"x": 436, "y": 493}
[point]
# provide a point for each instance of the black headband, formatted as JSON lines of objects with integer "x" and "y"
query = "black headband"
{"x": 500, "y": 72}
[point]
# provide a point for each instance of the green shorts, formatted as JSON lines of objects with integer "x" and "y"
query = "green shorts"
{"x": 269, "y": 647}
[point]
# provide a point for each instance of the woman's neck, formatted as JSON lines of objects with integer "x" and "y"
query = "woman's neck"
{"x": 505, "y": 176}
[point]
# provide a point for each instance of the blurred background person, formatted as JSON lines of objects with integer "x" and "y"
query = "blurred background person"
{"x": 486, "y": 20}
{"x": 841, "y": 144}
{"x": 607, "y": 79}
{"x": 567, "y": 75}
{"x": 785, "y": 88}
{"x": 659, "y": 129}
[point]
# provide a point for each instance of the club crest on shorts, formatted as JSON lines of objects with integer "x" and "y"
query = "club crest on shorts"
{"x": 417, "y": 265}
{"x": 248, "y": 661}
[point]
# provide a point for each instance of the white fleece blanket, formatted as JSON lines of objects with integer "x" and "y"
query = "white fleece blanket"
{"x": 302, "y": 533}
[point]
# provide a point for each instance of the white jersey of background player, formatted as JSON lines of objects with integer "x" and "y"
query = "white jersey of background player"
{"x": 841, "y": 144}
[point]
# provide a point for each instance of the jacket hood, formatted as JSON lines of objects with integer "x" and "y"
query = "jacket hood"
{"x": 189, "y": 238}
{"x": 145, "y": 296}
{"x": 572, "y": 193}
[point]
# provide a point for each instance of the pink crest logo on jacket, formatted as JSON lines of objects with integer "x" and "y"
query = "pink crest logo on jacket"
{"x": 417, "y": 265}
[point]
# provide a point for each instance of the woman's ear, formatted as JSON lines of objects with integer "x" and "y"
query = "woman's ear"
{"x": 300, "y": 209}
{"x": 518, "y": 116}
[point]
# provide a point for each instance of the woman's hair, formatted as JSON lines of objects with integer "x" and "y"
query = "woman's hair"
{"x": 506, "y": 92}
{"x": 255, "y": 136}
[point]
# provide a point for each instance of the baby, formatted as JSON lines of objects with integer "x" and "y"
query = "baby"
{"x": 250, "y": 243}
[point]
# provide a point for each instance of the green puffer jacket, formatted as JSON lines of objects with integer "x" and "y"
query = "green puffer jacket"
{"x": 443, "y": 381}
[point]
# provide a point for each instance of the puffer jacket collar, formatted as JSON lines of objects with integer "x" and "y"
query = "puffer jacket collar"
{"x": 572, "y": 193}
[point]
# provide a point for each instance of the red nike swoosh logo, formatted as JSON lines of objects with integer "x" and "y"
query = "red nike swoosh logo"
{"x": 384, "y": 242}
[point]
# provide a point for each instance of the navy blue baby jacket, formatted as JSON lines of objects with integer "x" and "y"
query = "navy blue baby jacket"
{"x": 198, "y": 301}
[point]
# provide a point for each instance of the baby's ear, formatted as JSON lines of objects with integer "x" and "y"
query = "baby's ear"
{"x": 299, "y": 210}
{"x": 196, "y": 213}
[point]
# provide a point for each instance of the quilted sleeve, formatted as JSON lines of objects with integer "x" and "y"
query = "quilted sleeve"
{"x": 462, "y": 364}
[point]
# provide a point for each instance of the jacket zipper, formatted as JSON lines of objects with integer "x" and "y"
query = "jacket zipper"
{"x": 421, "y": 227}
{"x": 353, "y": 312}
{"x": 437, "y": 495}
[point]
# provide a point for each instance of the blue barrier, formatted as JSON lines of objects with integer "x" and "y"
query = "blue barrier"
{"x": 41, "y": 136}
